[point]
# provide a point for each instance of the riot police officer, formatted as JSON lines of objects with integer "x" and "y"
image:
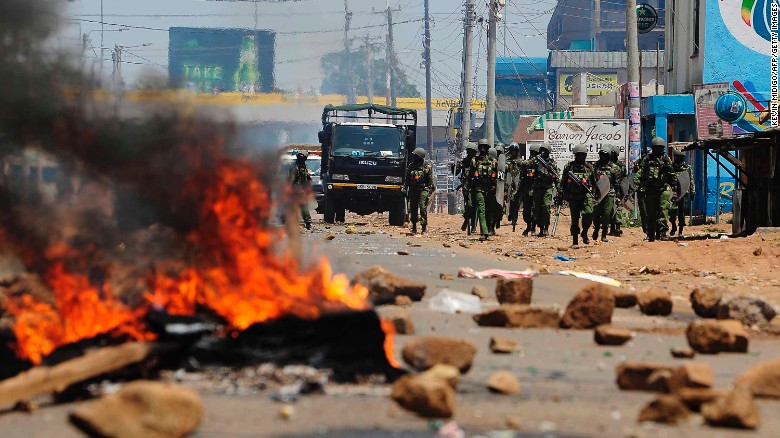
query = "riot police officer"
{"x": 464, "y": 169}
{"x": 545, "y": 178}
{"x": 419, "y": 182}
{"x": 512, "y": 193}
{"x": 527, "y": 172}
{"x": 575, "y": 186}
{"x": 677, "y": 210}
{"x": 484, "y": 176}
{"x": 602, "y": 211}
{"x": 299, "y": 177}
{"x": 655, "y": 173}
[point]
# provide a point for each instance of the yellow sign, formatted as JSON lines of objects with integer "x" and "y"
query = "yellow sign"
{"x": 597, "y": 84}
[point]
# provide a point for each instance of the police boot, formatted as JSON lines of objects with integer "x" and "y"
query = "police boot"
{"x": 604, "y": 236}
{"x": 414, "y": 227}
{"x": 673, "y": 231}
{"x": 484, "y": 237}
{"x": 424, "y": 227}
{"x": 595, "y": 233}
{"x": 465, "y": 225}
{"x": 681, "y": 230}
{"x": 527, "y": 230}
{"x": 575, "y": 241}
{"x": 584, "y": 236}
{"x": 308, "y": 225}
{"x": 618, "y": 231}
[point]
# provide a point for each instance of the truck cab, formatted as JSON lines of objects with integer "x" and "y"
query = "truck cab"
{"x": 364, "y": 160}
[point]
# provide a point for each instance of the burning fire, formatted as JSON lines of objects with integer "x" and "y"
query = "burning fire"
{"x": 236, "y": 272}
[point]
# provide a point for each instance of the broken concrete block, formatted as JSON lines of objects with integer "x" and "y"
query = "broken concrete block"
{"x": 624, "y": 299}
{"x": 502, "y": 345}
{"x": 683, "y": 353}
{"x": 514, "y": 291}
{"x": 592, "y": 306}
{"x": 749, "y": 309}
{"x": 691, "y": 375}
{"x": 639, "y": 376}
{"x": 737, "y": 410}
{"x": 705, "y": 301}
{"x": 403, "y": 323}
{"x": 655, "y": 301}
{"x": 762, "y": 379}
{"x": 426, "y": 396}
{"x": 695, "y": 397}
{"x": 141, "y": 409}
{"x": 664, "y": 409}
{"x": 479, "y": 291}
{"x": 503, "y": 382}
{"x": 448, "y": 373}
{"x": 610, "y": 335}
{"x": 518, "y": 315}
{"x": 716, "y": 336}
{"x": 424, "y": 352}
{"x": 383, "y": 286}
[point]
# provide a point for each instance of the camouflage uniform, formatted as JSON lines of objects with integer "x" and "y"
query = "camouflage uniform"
{"x": 614, "y": 228}
{"x": 580, "y": 201}
{"x": 655, "y": 174}
{"x": 484, "y": 177}
{"x": 640, "y": 193}
{"x": 677, "y": 211}
{"x": 513, "y": 194}
{"x": 544, "y": 182}
{"x": 604, "y": 210}
{"x": 465, "y": 168}
{"x": 419, "y": 181}
{"x": 527, "y": 170}
{"x": 299, "y": 177}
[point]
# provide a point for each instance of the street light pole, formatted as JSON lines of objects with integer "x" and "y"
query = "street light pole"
{"x": 102, "y": 29}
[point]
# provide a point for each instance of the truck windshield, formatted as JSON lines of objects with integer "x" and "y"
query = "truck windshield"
{"x": 367, "y": 140}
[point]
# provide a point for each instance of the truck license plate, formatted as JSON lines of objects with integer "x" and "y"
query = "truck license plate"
{"x": 366, "y": 186}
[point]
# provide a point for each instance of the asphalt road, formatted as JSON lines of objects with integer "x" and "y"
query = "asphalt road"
{"x": 568, "y": 382}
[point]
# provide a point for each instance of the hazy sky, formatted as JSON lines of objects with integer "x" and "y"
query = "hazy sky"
{"x": 297, "y": 54}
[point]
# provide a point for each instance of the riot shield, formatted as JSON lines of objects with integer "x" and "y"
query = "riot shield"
{"x": 683, "y": 184}
{"x": 501, "y": 179}
{"x": 604, "y": 186}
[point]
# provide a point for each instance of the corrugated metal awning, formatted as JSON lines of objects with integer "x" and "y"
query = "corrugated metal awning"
{"x": 585, "y": 60}
{"x": 538, "y": 123}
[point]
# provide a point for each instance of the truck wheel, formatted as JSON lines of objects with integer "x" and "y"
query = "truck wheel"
{"x": 340, "y": 212}
{"x": 397, "y": 214}
{"x": 329, "y": 212}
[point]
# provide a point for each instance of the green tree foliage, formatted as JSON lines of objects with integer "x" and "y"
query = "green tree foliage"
{"x": 336, "y": 79}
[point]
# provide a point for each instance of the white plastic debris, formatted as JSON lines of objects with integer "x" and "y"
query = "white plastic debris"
{"x": 450, "y": 301}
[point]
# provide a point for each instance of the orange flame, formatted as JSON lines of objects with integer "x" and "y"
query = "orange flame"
{"x": 237, "y": 272}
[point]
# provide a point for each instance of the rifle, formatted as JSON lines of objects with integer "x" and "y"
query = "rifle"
{"x": 555, "y": 222}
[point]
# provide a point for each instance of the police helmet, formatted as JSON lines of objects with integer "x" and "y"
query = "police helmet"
{"x": 420, "y": 152}
{"x": 580, "y": 149}
{"x": 303, "y": 154}
{"x": 493, "y": 153}
{"x": 533, "y": 148}
{"x": 658, "y": 141}
{"x": 499, "y": 148}
{"x": 483, "y": 142}
{"x": 679, "y": 153}
{"x": 514, "y": 146}
{"x": 545, "y": 146}
{"x": 605, "y": 149}
{"x": 471, "y": 146}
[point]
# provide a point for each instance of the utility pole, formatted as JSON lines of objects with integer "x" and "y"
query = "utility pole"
{"x": 490, "y": 100}
{"x": 468, "y": 78}
{"x": 428, "y": 106}
{"x": 389, "y": 58}
{"x": 369, "y": 72}
{"x": 102, "y": 44}
{"x": 348, "y": 55}
{"x": 632, "y": 50}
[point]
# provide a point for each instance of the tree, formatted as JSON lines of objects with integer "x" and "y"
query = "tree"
{"x": 336, "y": 80}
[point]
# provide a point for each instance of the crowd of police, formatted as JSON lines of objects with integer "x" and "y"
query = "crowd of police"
{"x": 494, "y": 185}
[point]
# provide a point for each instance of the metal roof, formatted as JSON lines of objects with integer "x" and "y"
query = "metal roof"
{"x": 599, "y": 60}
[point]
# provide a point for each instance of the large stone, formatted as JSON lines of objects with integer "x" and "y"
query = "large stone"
{"x": 403, "y": 323}
{"x": 738, "y": 410}
{"x": 716, "y": 336}
{"x": 480, "y": 292}
{"x": 655, "y": 301}
{"x": 639, "y": 376}
{"x": 383, "y": 286}
{"x": 425, "y": 352}
{"x": 611, "y": 335}
{"x": 514, "y": 291}
{"x": 141, "y": 409}
{"x": 448, "y": 373}
{"x": 519, "y": 315}
{"x": 691, "y": 375}
{"x": 502, "y": 345}
{"x": 750, "y": 310}
{"x": 590, "y": 307}
{"x": 762, "y": 379}
{"x": 682, "y": 353}
{"x": 503, "y": 382}
{"x": 695, "y": 397}
{"x": 624, "y": 299}
{"x": 425, "y": 395}
{"x": 705, "y": 300}
{"x": 664, "y": 409}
